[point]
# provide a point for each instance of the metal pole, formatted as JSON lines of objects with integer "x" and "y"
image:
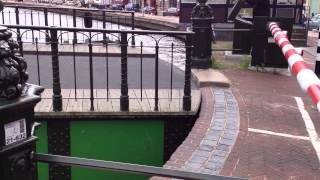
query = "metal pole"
{"x": 187, "y": 77}
{"x": 124, "y": 98}
{"x": 156, "y": 75}
{"x": 45, "y": 11}
{"x": 274, "y": 8}
{"x": 19, "y": 38}
{"x": 74, "y": 16}
{"x": 32, "y": 32}
{"x": 104, "y": 26}
{"x": 317, "y": 67}
{"x": 133, "y": 41}
{"x": 91, "y": 74}
{"x": 56, "y": 97}
{"x": 17, "y": 20}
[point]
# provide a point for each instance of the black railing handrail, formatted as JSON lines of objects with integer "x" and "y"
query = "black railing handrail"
{"x": 68, "y": 8}
{"x": 139, "y": 32}
{"x": 127, "y": 168}
{"x": 52, "y": 38}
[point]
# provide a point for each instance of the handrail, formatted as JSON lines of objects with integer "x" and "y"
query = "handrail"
{"x": 307, "y": 79}
{"x": 68, "y": 8}
{"x": 126, "y": 167}
{"x": 99, "y": 30}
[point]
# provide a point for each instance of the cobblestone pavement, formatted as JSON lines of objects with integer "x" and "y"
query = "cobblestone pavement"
{"x": 210, "y": 155}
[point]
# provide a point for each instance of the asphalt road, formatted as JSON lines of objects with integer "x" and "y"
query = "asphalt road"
{"x": 99, "y": 72}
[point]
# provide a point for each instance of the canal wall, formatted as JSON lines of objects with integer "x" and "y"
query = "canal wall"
{"x": 120, "y": 18}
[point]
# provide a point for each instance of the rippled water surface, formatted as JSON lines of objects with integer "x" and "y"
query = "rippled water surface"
{"x": 36, "y": 18}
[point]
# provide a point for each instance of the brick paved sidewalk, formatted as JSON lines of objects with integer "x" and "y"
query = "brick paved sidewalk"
{"x": 267, "y": 102}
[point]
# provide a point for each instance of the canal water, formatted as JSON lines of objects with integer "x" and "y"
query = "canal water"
{"x": 175, "y": 55}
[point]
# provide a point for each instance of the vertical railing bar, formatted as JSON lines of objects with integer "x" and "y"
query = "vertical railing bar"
{"x": 60, "y": 23}
{"x": 171, "y": 71}
{"x": 156, "y": 95}
{"x": 187, "y": 81}
{"x": 25, "y": 23}
{"x": 107, "y": 69}
{"x": 45, "y": 11}
{"x": 38, "y": 63}
{"x": 67, "y": 26}
{"x": 56, "y": 97}
{"x": 133, "y": 41}
{"x": 74, "y": 69}
{"x": 39, "y": 24}
{"x": 104, "y": 25}
{"x": 3, "y": 17}
{"x": 10, "y": 18}
{"x": 118, "y": 22}
{"x": 141, "y": 57}
{"x": 53, "y": 22}
{"x": 111, "y": 22}
{"x": 32, "y": 32}
{"x": 124, "y": 98}
{"x": 19, "y": 38}
{"x": 83, "y": 38}
{"x": 91, "y": 74}
{"x": 25, "y": 18}
{"x": 74, "y": 17}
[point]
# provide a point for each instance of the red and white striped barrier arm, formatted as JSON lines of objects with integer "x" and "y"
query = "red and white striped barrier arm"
{"x": 307, "y": 79}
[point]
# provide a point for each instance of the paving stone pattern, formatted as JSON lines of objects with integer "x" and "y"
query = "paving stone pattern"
{"x": 210, "y": 141}
{"x": 210, "y": 155}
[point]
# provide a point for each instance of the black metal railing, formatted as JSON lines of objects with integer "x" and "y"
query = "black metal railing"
{"x": 67, "y": 17}
{"x": 158, "y": 42}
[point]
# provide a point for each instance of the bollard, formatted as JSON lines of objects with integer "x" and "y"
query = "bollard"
{"x": 124, "y": 98}
{"x": 56, "y": 97}
{"x": 87, "y": 20}
{"x": 202, "y": 18}
{"x": 260, "y": 41}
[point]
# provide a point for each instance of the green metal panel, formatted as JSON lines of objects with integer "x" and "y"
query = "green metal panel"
{"x": 139, "y": 142}
{"x": 42, "y": 147}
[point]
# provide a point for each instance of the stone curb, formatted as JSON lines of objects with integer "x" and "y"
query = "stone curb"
{"x": 211, "y": 77}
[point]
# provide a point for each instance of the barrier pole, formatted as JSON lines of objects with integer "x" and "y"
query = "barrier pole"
{"x": 307, "y": 79}
{"x": 317, "y": 68}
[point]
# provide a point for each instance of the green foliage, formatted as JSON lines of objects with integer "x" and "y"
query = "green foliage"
{"x": 216, "y": 64}
{"x": 245, "y": 62}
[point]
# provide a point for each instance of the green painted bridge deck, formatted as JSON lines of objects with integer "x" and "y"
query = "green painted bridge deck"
{"x": 109, "y": 103}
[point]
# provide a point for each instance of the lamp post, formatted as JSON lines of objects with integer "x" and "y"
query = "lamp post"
{"x": 202, "y": 18}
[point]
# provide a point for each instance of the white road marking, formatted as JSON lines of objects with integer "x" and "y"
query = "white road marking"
{"x": 309, "y": 126}
{"x": 278, "y": 134}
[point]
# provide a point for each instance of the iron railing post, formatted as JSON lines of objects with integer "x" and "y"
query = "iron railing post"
{"x": 31, "y": 14}
{"x": 187, "y": 78}
{"x": 156, "y": 75}
{"x": 74, "y": 17}
{"x": 133, "y": 41}
{"x": 18, "y": 31}
{"x": 91, "y": 75}
{"x": 104, "y": 26}
{"x": 124, "y": 98}
{"x": 45, "y": 12}
{"x": 56, "y": 97}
